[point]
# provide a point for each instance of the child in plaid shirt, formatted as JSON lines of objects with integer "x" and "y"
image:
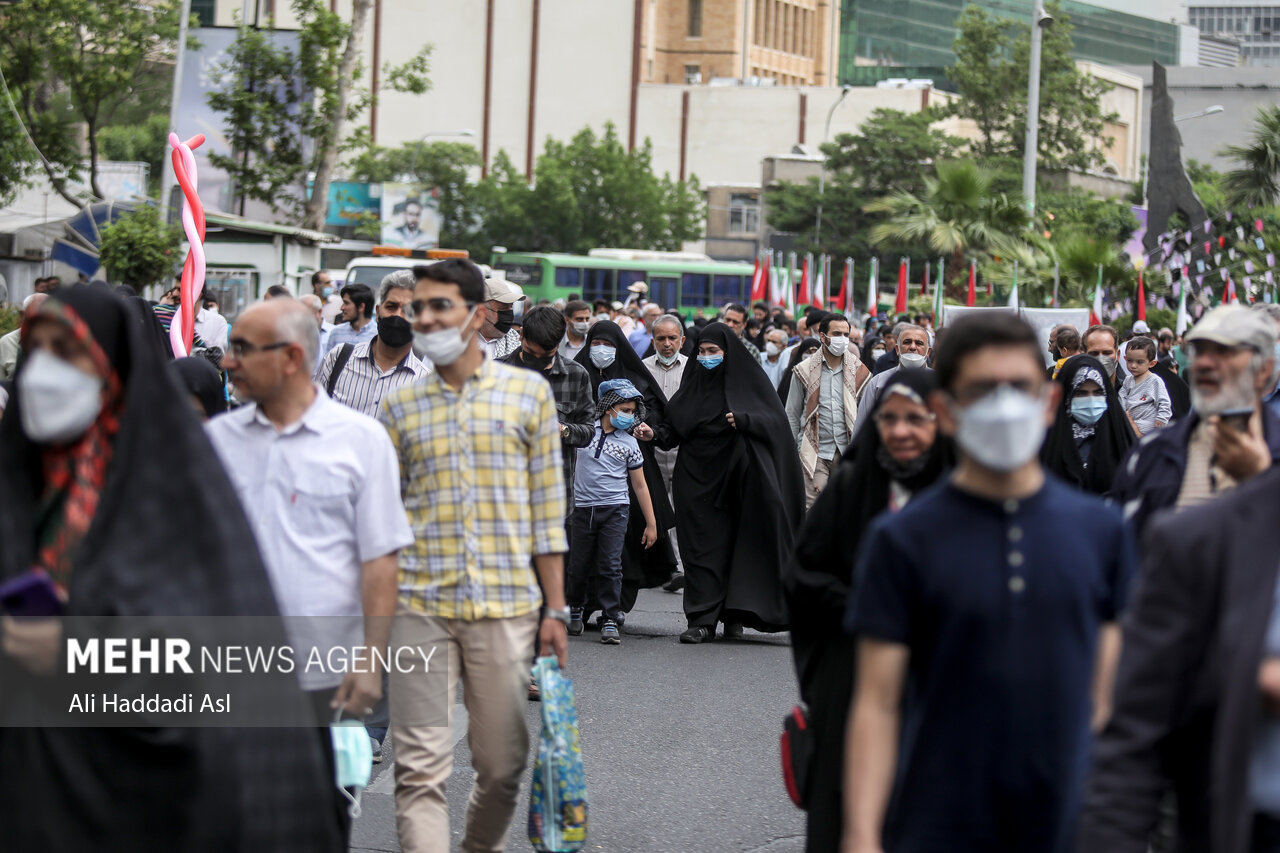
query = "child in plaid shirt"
{"x": 1143, "y": 394}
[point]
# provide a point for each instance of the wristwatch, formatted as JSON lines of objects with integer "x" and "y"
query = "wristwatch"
{"x": 564, "y": 430}
{"x": 558, "y": 615}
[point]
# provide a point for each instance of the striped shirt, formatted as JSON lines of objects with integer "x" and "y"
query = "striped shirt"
{"x": 482, "y": 484}
{"x": 362, "y": 384}
{"x": 344, "y": 334}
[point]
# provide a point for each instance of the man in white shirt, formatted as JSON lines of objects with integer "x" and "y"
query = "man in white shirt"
{"x": 774, "y": 359}
{"x": 667, "y": 366}
{"x": 211, "y": 326}
{"x": 577, "y": 318}
{"x": 498, "y": 335}
{"x": 320, "y": 484}
{"x": 316, "y": 306}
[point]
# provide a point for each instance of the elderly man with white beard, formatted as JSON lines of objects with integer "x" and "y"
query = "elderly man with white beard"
{"x": 1229, "y": 435}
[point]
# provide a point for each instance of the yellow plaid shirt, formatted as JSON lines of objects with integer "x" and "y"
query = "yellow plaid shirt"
{"x": 481, "y": 478}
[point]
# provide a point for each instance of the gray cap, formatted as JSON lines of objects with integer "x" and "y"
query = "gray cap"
{"x": 1235, "y": 326}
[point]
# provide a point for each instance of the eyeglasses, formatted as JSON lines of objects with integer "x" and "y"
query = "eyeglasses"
{"x": 240, "y": 348}
{"x": 889, "y": 420}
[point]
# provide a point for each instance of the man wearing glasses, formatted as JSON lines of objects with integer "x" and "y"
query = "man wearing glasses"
{"x": 321, "y": 486}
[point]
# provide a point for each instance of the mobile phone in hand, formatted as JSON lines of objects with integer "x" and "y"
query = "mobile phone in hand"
{"x": 30, "y": 595}
{"x": 1237, "y": 419}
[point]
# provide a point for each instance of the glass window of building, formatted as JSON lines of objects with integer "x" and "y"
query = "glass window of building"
{"x": 695, "y": 19}
{"x": 744, "y": 213}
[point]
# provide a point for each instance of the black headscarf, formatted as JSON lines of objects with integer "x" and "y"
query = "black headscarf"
{"x": 203, "y": 380}
{"x": 868, "y": 343}
{"x": 802, "y": 349}
{"x": 168, "y": 538}
{"x": 153, "y": 331}
{"x": 1111, "y": 435}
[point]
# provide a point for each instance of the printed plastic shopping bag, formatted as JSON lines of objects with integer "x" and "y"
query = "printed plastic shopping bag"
{"x": 558, "y": 796}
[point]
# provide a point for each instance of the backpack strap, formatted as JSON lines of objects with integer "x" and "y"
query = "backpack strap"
{"x": 344, "y": 355}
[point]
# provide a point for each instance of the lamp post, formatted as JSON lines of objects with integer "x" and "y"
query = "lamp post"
{"x": 413, "y": 161}
{"x": 822, "y": 173}
{"x": 1039, "y": 20}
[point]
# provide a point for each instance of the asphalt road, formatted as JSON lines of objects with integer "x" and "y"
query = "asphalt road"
{"x": 680, "y": 744}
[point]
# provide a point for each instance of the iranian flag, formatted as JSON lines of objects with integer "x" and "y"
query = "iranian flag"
{"x": 841, "y": 299}
{"x": 1184, "y": 319}
{"x": 900, "y": 304}
{"x": 872, "y": 296}
{"x": 776, "y": 293}
{"x": 1013, "y": 292}
{"x": 802, "y": 297}
{"x": 1142, "y": 300}
{"x": 973, "y": 284}
{"x": 760, "y": 280}
{"x": 937, "y": 298}
{"x": 820, "y": 283}
{"x": 1095, "y": 313}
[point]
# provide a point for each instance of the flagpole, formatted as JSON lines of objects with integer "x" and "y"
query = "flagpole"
{"x": 1055, "y": 285}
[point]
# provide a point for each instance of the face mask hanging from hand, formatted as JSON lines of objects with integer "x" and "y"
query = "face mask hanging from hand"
{"x": 1003, "y": 431}
{"x": 352, "y": 760}
{"x": 59, "y": 402}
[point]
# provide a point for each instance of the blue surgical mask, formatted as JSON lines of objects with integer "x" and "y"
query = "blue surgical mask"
{"x": 711, "y": 362}
{"x": 326, "y": 291}
{"x": 1088, "y": 410}
{"x": 602, "y": 356}
{"x": 623, "y": 421}
{"x": 352, "y": 760}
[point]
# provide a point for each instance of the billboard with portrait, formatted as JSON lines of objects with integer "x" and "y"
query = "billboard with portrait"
{"x": 410, "y": 216}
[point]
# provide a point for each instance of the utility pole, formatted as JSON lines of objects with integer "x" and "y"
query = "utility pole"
{"x": 1039, "y": 20}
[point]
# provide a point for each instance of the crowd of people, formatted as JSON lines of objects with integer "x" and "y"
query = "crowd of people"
{"x": 1030, "y": 586}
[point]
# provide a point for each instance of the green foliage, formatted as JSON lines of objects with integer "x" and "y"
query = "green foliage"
{"x": 146, "y": 143}
{"x": 1108, "y": 219}
{"x": 892, "y": 149}
{"x": 17, "y": 158}
{"x": 274, "y": 99}
{"x": 70, "y": 62}
{"x": 440, "y": 165}
{"x": 1256, "y": 181}
{"x": 589, "y": 192}
{"x": 138, "y": 250}
{"x": 992, "y": 61}
{"x": 10, "y": 318}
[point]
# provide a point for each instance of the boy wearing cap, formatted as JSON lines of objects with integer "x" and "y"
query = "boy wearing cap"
{"x": 599, "y": 519}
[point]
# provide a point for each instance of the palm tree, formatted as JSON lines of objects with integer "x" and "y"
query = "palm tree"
{"x": 1257, "y": 181}
{"x": 958, "y": 215}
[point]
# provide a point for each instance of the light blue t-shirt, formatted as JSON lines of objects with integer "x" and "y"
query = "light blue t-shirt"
{"x": 600, "y": 478}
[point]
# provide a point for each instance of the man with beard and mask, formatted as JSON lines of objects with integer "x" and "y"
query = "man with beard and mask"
{"x": 359, "y": 375}
{"x": 498, "y": 335}
{"x": 913, "y": 354}
{"x": 667, "y": 366}
{"x": 1103, "y": 343}
{"x": 482, "y": 484}
{"x": 822, "y": 404}
{"x": 986, "y": 624}
{"x": 1227, "y": 437}
{"x": 543, "y": 331}
{"x": 577, "y": 318}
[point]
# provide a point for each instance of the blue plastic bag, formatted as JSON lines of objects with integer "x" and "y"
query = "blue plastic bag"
{"x": 558, "y": 795}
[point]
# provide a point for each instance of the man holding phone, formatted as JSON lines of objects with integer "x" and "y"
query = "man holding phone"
{"x": 1228, "y": 437}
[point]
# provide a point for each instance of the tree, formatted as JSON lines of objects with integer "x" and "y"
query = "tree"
{"x": 892, "y": 149}
{"x": 70, "y": 62}
{"x": 139, "y": 250}
{"x": 286, "y": 111}
{"x": 440, "y": 165}
{"x": 17, "y": 158}
{"x": 146, "y": 142}
{"x": 1256, "y": 181}
{"x": 992, "y": 61}
{"x": 589, "y": 192}
{"x": 1110, "y": 220}
{"x": 957, "y": 215}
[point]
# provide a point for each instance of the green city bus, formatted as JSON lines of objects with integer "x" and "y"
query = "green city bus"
{"x": 683, "y": 281}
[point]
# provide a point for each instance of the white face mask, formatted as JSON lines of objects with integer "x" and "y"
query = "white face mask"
{"x": 876, "y": 352}
{"x": 59, "y": 402}
{"x": 911, "y": 360}
{"x": 602, "y": 356}
{"x": 1003, "y": 431}
{"x": 666, "y": 361}
{"x": 837, "y": 346}
{"x": 580, "y": 327}
{"x": 771, "y": 349}
{"x": 444, "y": 346}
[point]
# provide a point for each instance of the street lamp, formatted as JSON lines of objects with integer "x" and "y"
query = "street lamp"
{"x": 413, "y": 161}
{"x": 822, "y": 174}
{"x": 1039, "y": 20}
{"x": 1207, "y": 111}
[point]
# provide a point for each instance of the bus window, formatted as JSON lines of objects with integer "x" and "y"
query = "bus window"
{"x": 727, "y": 288}
{"x": 662, "y": 290}
{"x": 695, "y": 290}
{"x": 568, "y": 277}
{"x": 597, "y": 284}
{"x": 626, "y": 278}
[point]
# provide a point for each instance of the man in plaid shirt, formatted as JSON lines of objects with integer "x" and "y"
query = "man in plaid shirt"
{"x": 543, "y": 330}
{"x": 481, "y": 479}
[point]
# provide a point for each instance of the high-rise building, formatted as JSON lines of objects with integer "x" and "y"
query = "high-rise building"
{"x": 921, "y": 34}
{"x": 1256, "y": 28}
{"x": 787, "y": 42}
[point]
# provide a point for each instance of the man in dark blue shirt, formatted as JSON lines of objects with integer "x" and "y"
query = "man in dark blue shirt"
{"x": 986, "y": 617}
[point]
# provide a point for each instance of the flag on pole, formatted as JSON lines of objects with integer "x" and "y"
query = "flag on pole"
{"x": 1055, "y": 286}
{"x": 802, "y": 298}
{"x": 973, "y": 284}
{"x": 1013, "y": 291}
{"x": 900, "y": 304}
{"x": 759, "y": 280}
{"x": 775, "y": 280}
{"x": 872, "y": 296}
{"x": 790, "y": 284}
{"x": 1141, "y": 311}
{"x": 1183, "y": 320}
{"x": 937, "y": 299}
{"x": 820, "y": 283}
{"x": 924, "y": 284}
{"x": 841, "y": 300}
{"x": 1095, "y": 313}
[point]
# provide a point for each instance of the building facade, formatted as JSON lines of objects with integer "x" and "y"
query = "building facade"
{"x": 1256, "y": 28}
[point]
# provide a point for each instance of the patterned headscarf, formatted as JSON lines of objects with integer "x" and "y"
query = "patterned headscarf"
{"x": 614, "y": 391}
{"x": 74, "y": 473}
{"x": 1078, "y": 430}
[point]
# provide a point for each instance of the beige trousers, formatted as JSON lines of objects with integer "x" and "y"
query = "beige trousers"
{"x": 814, "y": 485}
{"x": 491, "y": 657}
